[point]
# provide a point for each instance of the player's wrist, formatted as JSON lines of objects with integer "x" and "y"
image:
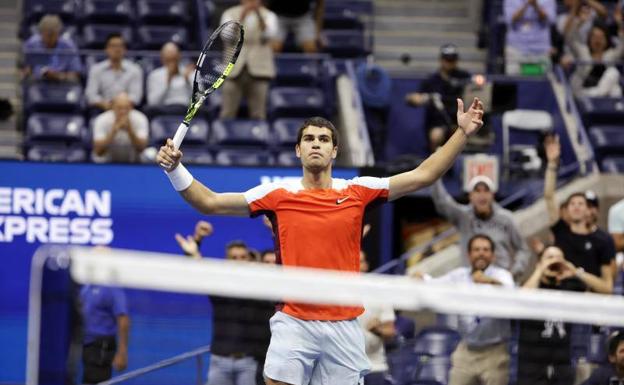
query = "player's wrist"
{"x": 180, "y": 177}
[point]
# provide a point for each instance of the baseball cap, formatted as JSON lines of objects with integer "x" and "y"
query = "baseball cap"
{"x": 474, "y": 182}
{"x": 592, "y": 198}
{"x": 449, "y": 52}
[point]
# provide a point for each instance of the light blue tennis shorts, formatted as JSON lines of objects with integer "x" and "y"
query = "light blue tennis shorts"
{"x": 315, "y": 352}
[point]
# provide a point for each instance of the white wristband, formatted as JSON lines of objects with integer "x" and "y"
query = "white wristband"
{"x": 180, "y": 178}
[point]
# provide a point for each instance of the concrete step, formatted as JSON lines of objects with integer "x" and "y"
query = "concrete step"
{"x": 462, "y": 40}
{"x": 423, "y": 53}
{"x": 423, "y": 23}
{"x": 414, "y": 9}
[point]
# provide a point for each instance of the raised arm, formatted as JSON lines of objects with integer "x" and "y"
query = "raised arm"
{"x": 440, "y": 161}
{"x": 194, "y": 192}
{"x": 553, "y": 152}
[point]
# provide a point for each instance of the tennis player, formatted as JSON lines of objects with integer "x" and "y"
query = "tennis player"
{"x": 317, "y": 223}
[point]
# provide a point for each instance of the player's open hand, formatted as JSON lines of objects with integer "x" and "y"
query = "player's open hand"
{"x": 472, "y": 120}
{"x": 168, "y": 157}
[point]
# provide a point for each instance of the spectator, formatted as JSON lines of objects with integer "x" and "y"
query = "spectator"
{"x": 106, "y": 327}
{"x": 596, "y": 74}
{"x": 528, "y": 33}
{"x": 121, "y": 134}
{"x": 172, "y": 83}
{"x": 484, "y": 215}
{"x": 580, "y": 16}
{"x": 240, "y": 328}
{"x": 544, "y": 346}
{"x": 114, "y": 75}
{"x": 254, "y": 68}
{"x": 268, "y": 256}
{"x": 482, "y": 356}
{"x": 297, "y": 17}
{"x": 591, "y": 254}
{"x": 378, "y": 326}
{"x": 613, "y": 374}
{"x": 616, "y": 224}
{"x": 49, "y": 56}
{"x": 593, "y": 210}
{"x": 439, "y": 94}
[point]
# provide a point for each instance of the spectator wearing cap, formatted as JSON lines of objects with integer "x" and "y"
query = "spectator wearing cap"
{"x": 50, "y": 56}
{"x": 614, "y": 373}
{"x": 616, "y": 224}
{"x": 528, "y": 33}
{"x": 439, "y": 93}
{"x": 482, "y": 215}
{"x": 591, "y": 254}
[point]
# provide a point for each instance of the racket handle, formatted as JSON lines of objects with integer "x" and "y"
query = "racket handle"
{"x": 179, "y": 135}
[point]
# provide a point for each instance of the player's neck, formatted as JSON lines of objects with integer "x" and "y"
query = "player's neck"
{"x": 314, "y": 179}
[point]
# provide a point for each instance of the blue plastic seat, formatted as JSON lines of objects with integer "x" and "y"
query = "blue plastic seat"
{"x": 108, "y": 11}
{"x": 296, "y": 101}
{"x": 404, "y": 364}
{"x": 162, "y": 11}
{"x": 435, "y": 369}
{"x": 54, "y": 97}
{"x": 288, "y": 159}
{"x": 33, "y": 10}
{"x": 436, "y": 341}
{"x": 236, "y": 132}
{"x": 613, "y": 165}
{"x": 285, "y": 131}
{"x": 153, "y": 37}
{"x": 56, "y": 152}
{"x": 244, "y": 157}
{"x": 345, "y": 43}
{"x": 55, "y": 127}
{"x": 94, "y": 35}
{"x": 597, "y": 349}
{"x": 341, "y": 15}
{"x": 297, "y": 71}
{"x": 194, "y": 154}
{"x": 165, "y": 126}
{"x": 607, "y": 140}
{"x": 597, "y": 111}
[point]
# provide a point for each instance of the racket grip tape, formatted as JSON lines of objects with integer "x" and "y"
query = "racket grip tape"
{"x": 179, "y": 135}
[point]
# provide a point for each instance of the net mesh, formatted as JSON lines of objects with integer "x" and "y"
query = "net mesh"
{"x": 174, "y": 301}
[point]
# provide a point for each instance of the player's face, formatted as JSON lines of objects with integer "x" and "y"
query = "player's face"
{"x": 316, "y": 148}
{"x": 480, "y": 254}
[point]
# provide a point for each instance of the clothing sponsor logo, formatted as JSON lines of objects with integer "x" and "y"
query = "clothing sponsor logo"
{"x": 340, "y": 200}
{"x": 55, "y": 216}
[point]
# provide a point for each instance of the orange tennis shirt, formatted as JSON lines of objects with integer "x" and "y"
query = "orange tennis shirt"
{"x": 318, "y": 228}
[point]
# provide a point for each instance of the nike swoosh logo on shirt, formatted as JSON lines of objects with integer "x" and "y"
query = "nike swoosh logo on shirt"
{"x": 339, "y": 201}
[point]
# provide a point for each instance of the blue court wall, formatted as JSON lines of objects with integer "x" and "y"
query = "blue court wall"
{"x": 124, "y": 206}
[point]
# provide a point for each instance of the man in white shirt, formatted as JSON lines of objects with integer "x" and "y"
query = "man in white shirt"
{"x": 255, "y": 67}
{"x": 113, "y": 76}
{"x": 482, "y": 356}
{"x": 172, "y": 83}
{"x": 378, "y": 326}
{"x": 120, "y": 134}
{"x": 616, "y": 229}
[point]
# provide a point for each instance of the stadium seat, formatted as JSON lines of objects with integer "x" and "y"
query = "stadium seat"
{"x": 434, "y": 369}
{"x": 297, "y": 71}
{"x": 165, "y": 126}
{"x": 54, "y": 97}
{"x": 436, "y": 341}
{"x": 607, "y": 140}
{"x": 522, "y": 121}
{"x": 405, "y": 327}
{"x": 597, "y": 349}
{"x": 197, "y": 155}
{"x": 404, "y": 364}
{"x": 341, "y": 15}
{"x": 94, "y": 35}
{"x": 285, "y": 130}
{"x": 244, "y": 157}
{"x": 288, "y": 159}
{"x": 108, "y": 11}
{"x": 153, "y": 37}
{"x": 33, "y": 10}
{"x": 56, "y": 153}
{"x": 424, "y": 382}
{"x": 345, "y": 43}
{"x": 55, "y": 127}
{"x": 296, "y": 101}
{"x": 597, "y": 111}
{"x": 239, "y": 133}
{"x": 162, "y": 11}
{"x": 613, "y": 165}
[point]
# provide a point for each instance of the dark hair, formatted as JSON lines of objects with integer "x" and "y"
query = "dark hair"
{"x": 614, "y": 341}
{"x": 319, "y": 122}
{"x": 236, "y": 243}
{"x": 576, "y": 194}
{"x": 604, "y": 30}
{"x": 114, "y": 35}
{"x": 481, "y": 236}
{"x": 266, "y": 251}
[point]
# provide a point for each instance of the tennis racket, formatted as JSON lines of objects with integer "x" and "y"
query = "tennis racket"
{"x": 214, "y": 64}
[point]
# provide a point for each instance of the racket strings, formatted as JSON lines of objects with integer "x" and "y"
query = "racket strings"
{"x": 219, "y": 55}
